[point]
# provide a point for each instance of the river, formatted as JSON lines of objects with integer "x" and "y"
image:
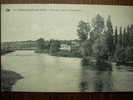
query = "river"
{"x": 45, "y": 73}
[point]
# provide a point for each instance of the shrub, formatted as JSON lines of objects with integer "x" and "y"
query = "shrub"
{"x": 124, "y": 54}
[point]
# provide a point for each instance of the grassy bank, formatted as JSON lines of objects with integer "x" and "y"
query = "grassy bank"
{"x": 64, "y": 53}
{"x": 8, "y": 79}
{"x": 61, "y": 53}
{"x": 99, "y": 65}
{"x": 5, "y": 51}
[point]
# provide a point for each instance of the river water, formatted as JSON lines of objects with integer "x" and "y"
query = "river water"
{"x": 45, "y": 73}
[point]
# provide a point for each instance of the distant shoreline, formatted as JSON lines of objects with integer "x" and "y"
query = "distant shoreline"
{"x": 3, "y": 52}
{"x": 61, "y": 53}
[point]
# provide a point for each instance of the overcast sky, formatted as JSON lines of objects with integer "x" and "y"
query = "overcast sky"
{"x": 30, "y": 22}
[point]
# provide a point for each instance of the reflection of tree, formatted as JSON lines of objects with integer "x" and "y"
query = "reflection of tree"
{"x": 103, "y": 81}
{"x": 84, "y": 80}
{"x": 94, "y": 79}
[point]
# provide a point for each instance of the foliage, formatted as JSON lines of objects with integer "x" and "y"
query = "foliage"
{"x": 100, "y": 49}
{"x": 8, "y": 79}
{"x": 120, "y": 37}
{"x": 109, "y": 42}
{"x": 94, "y": 33}
{"x": 97, "y": 28}
{"x": 116, "y": 36}
{"x": 40, "y": 44}
{"x": 129, "y": 54}
{"x": 124, "y": 54}
{"x": 98, "y": 24}
{"x": 86, "y": 49}
{"x": 65, "y": 53}
{"x": 97, "y": 38}
{"x": 83, "y": 29}
{"x": 120, "y": 54}
{"x": 54, "y": 46}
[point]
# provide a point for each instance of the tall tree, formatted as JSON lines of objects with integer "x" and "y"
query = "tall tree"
{"x": 54, "y": 46}
{"x": 97, "y": 28}
{"x": 120, "y": 37}
{"x": 131, "y": 35}
{"x": 116, "y": 36}
{"x": 83, "y": 30}
{"x": 109, "y": 37}
{"x": 40, "y": 44}
{"x": 124, "y": 38}
{"x": 128, "y": 35}
{"x": 97, "y": 37}
{"x": 98, "y": 23}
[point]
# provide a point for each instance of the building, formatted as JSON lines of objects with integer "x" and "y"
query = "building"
{"x": 65, "y": 47}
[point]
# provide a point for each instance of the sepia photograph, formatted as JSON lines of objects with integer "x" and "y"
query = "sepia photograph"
{"x": 66, "y": 48}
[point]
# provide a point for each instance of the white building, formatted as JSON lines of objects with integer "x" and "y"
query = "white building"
{"x": 65, "y": 47}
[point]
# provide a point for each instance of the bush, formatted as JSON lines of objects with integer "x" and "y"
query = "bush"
{"x": 124, "y": 54}
{"x": 129, "y": 54}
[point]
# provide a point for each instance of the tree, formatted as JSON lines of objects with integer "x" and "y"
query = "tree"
{"x": 131, "y": 36}
{"x": 96, "y": 35}
{"x": 128, "y": 35}
{"x": 120, "y": 55}
{"x": 120, "y": 37}
{"x": 109, "y": 37}
{"x": 86, "y": 48}
{"x": 116, "y": 36}
{"x": 100, "y": 49}
{"x": 124, "y": 38}
{"x": 97, "y": 28}
{"x": 124, "y": 54}
{"x": 83, "y": 30}
{"x": 54, "y": 46}
{"x": 40, "y": 44}
{"x": 98, "y": 24}
{"x": 129, "y": 54}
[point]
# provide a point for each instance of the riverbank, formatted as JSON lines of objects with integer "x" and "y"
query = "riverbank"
{"x": 5, "y": 51}
{"x": 8, "y": 79}
{"x": 67, "y": 73}
{"x": 61, "y": 53}
{"x": 99, "y": 65}
{"x": 66, "y": 54}
{"x": 128, "y": 63}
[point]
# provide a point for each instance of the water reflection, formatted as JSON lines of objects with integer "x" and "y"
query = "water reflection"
{"x": 46, "y": 73}
{"x": 96, "y": 78}
{"x": 103, "y": 81}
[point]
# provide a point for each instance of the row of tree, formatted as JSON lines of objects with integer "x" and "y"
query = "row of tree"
{"x": 124, "y": 43}
{"x": 99, "y": 39}
{"x": 51, "y": 46}
{"x": 125, "y": 36}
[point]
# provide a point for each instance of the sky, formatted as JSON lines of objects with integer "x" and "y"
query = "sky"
{"x": 20, "y": 22}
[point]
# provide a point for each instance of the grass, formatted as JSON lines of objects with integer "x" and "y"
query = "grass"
{"x": 64, "y": 53}
{"x": 61, "y": 53}
{"x": 8, "y": 79}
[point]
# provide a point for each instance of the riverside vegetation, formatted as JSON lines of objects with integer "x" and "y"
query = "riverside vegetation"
{"x": 97, "y": 39}
{"x": 99, "y": 45}
{"x": 8, "y": 78}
